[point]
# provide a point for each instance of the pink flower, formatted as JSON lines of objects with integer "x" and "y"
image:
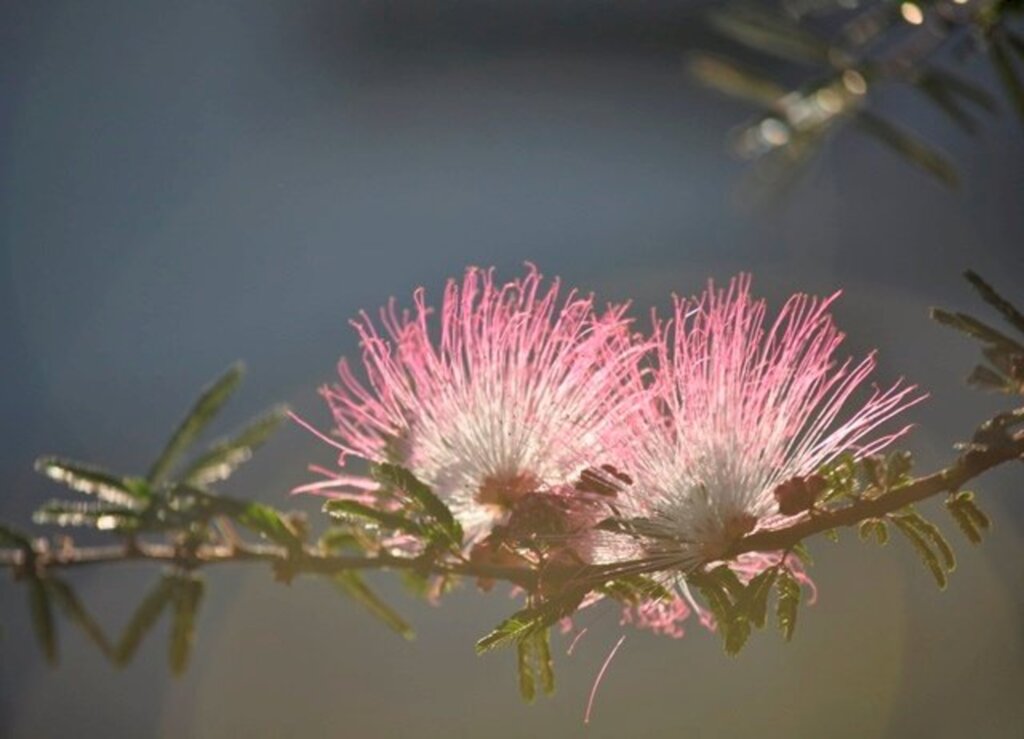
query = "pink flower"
{"x": 739, "y": 407}
{"x": 509, "y": 391}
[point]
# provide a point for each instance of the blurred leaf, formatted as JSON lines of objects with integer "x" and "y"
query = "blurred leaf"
{"x": 226, "y": 455}
{"x": 985, "y": 378}
{"x": 187, "y": 592}
{"x": 947, "y": 102}
{"x": 788, "y": 590}
{"x": 931, "y": 532}
{"x": 524, "y": 665}
{"x": 92, "y": 481}
{"x": 770, "y": 33}
{"x": 997, "y": 301}
{"x": 353, "y": 585}
{"x": 94, "y": 514}
{"x": 202, "y": 412}
{"x": 144, "y": 618}
{"x": 920, "y": 543}
{"x": 344, "y": 509}
{"x": 976, "y": 329}
{"x": 909, "y": 146}
{"x": 634, "y": 589}
{"x": 257, "y": 517}
{"x": 999, "y": 50}
{"x": 531, "y": 620}
{"x": 13, "y": 538}
{"x": 73, "y": 608}
{"x": 42, "y": 618}
{"x": 735, "y": 80}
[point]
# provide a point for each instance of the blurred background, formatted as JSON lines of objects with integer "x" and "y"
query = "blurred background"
{"x": 185, "y": 184}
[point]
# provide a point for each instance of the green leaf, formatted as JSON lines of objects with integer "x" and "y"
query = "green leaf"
{"x": 524, "y": 665}
{"x": 718, "y": 589}
{"x": 634, "y": 589}
{"x": 73, "y": 608}
{"x": 799, "y": 550}
{"x": 874, "y": 527}
{"x": 353, "y": 585}
{"x": 225, "y": 456}
{"x": 788, "y": 591}
{"x": 533, "y": 659}
{"x": 94, "y": 514}
{"x": 187, "y": 592}
{"x": 976, "y": 329}
{"x": 92, "y": 481}
{"x": 529, "y": 621}
{"x": 985, "y": 378}
{"x": 931, "y": 532}
{"x": 257, "y": 517}
{"x": 999, "y": 50}
{"x": 393, "y": 476}
{"x": 997, "y": 301}
{"x": 344, "y": 509}
{"x": 13, "y": 538}
{"x": 144, "y": 618}
{"x": 42, "y": 618}
{"x": 754, "y": 602}
{"x": 920, "y": 543}
{"x": 735, "y": 80}
{"x": 202, "y": 412}
{"x": 909, "y": 146}
{"x": 971, "y": 520}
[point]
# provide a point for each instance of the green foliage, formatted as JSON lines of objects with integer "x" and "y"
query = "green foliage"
{"x": 788, "y": 603}
{"x": 534, "y": 663}
{"x": 83, "y": 478}
{"x": 874, "y": 527}
{"x": 531, "y": 620}
{"x": 74, "y": 610}
{"x": 929, "y": 543}
{"x": 346, "y": 510}
{"x": 441, "y": 524}
{"x": 968, "y": 516}
{"x": 187, "y": 592}
{"x": 225, "y": 456}
{"x": 145, "y": 618}
{"x": 352, "y": 584}
{"x": 202, "y": 412}
{"x": 42, "y": 618}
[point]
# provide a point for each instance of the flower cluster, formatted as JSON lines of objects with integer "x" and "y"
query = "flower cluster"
{"x": 539, "y": 419}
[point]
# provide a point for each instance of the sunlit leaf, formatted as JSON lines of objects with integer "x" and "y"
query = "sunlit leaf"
{"x": 770, "y": 33}
{"x": 202, "y": 412}
{"x": 94, "y": 514}
{"x": 226, "y": 455}
{"x": 344, "y": 509}
{"x": 788, "y": 603}
{"x": 531, "y": 620}
{"x": 93, "y": 481}
{"x": 394, "y": 476}
{"x": 924, "y": 550}
{"x": 997, "y": 301}
{"x": 733, "y": 79}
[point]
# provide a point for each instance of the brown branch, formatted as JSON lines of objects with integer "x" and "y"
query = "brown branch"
{"x": 286, "y": 563}
{"x": 951, "y": 479}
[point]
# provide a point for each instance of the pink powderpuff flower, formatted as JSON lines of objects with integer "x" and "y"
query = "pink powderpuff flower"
{"x": 741, "y": 411}
{"x": 512, "y": 392}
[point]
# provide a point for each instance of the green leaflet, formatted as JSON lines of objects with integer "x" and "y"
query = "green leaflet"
{"x": 353, "y": 585}
{"x": 199, "y": 416}
{"x": 92, "y": 480}
{"x": 225, "y": 456}
{"x": 788, "y": 603}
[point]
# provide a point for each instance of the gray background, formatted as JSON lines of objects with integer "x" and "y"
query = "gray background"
{"x": 185, "y": 184}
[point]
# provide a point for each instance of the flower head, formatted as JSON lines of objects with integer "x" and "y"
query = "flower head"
{"x": 513, "y": 391}
{"x": 743, "y": 412}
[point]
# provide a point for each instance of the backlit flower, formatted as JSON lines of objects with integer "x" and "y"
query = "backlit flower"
{"x": 743, "y": 412}
{"x": 509, "y": 391}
